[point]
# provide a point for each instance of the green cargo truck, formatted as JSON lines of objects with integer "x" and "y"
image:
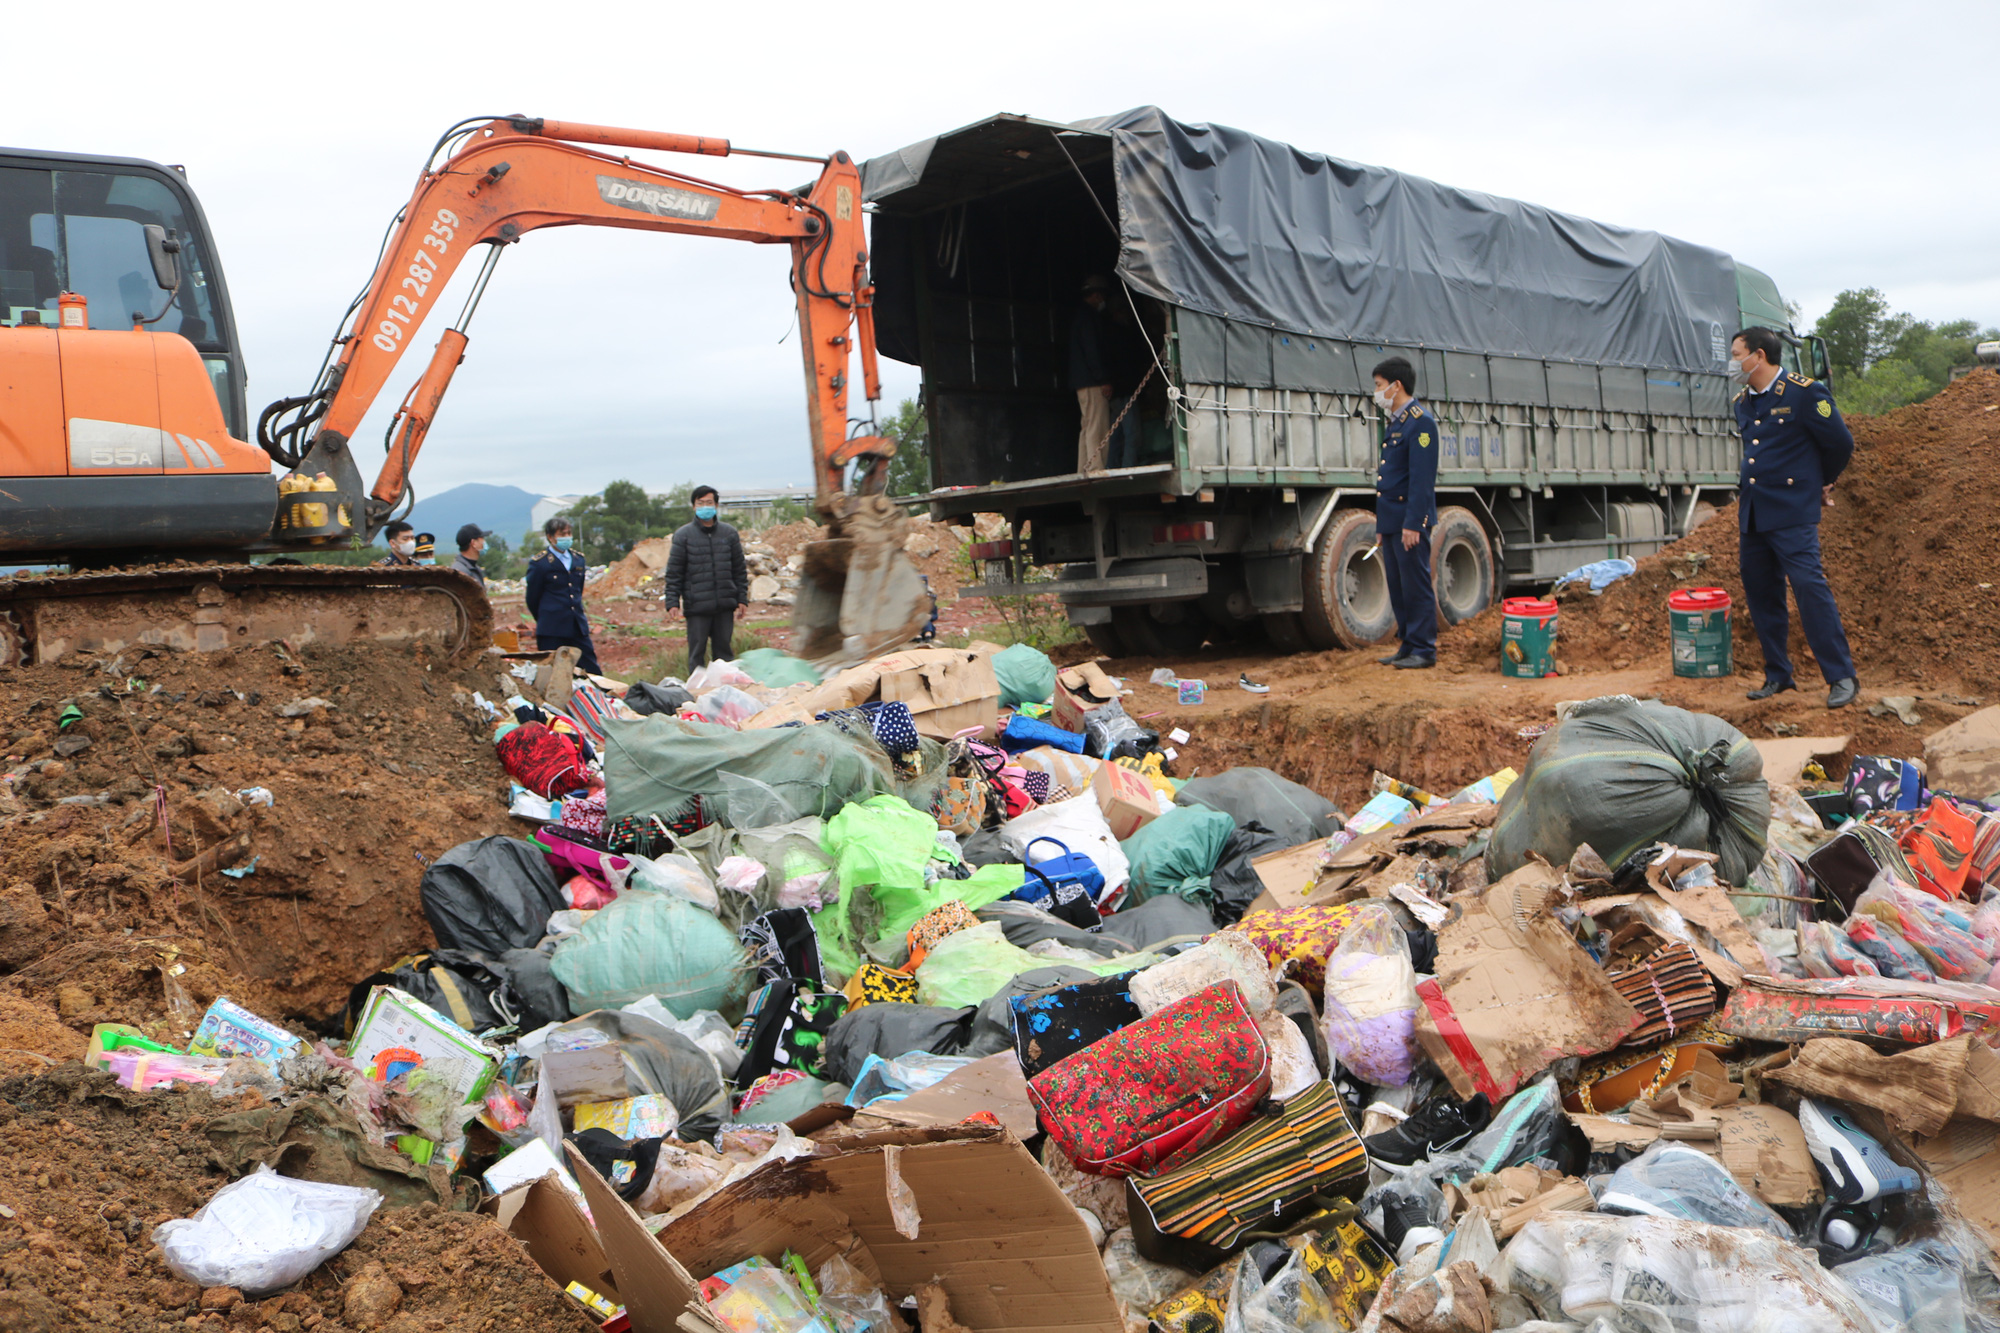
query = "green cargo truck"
{"x": 1579, "y": 373}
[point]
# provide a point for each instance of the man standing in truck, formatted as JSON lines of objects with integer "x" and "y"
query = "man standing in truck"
{"x": 1406, "y": 511}
{"x": 1090, "y": 373}
{"x": 1794, "y": 446}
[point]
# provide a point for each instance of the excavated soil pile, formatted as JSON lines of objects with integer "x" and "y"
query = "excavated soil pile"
{"x": 119, "y": 825}
{"x": 1912, "y": 549}
{"x": 87, "y": 1169}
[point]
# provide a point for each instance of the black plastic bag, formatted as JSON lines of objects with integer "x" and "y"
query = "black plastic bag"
{"x": 660, "y": 1061}
{"x": 1234, "y": 883}
{"x": 1110, "y": 733}
{"x": 626, "y": 1167}
{"x": 490, "y": 895}
{"x": 476, "y": 992}
{"x": 668, "y": 698}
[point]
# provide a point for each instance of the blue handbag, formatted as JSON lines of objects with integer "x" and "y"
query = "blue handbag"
{"x": 1068, "y": 868}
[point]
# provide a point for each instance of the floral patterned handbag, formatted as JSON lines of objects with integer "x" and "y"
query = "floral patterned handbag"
{"x": 1150, "y": 1096}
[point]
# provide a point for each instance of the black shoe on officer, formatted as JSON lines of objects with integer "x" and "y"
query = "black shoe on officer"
{"x": 1842, "y": 693}
{"x": 1772, "y": 685}
{"x": 1411, "y": 662}
{"x": 1391, "y": 659}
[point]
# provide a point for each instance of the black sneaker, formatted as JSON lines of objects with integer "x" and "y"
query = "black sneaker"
{"x": 1439, "y": 1125}
{"x": 1401, "y": 1213}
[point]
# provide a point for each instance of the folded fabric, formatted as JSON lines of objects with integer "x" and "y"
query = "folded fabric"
{"x": 1025, "y": 733}
{"x": 1670, "y": 989}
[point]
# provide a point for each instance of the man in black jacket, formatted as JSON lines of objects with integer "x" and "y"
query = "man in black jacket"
{"x": 707, "y": 580}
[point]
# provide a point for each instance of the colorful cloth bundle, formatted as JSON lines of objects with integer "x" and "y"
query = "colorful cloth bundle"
{"x": 948, "y": 919}
{"x": 584, "y": 813}
{"x": 1670, "y": 989}
{"x": 546, "y": 763}
{"x": 1301, "y": 937}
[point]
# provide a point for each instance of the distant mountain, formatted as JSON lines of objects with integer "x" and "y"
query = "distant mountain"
{"x": 500, "y": 509}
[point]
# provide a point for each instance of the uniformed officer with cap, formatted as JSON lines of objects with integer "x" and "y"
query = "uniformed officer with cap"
{"x": 1794, "y": 446}
{"x": 555, "y": 596}
{"x": 1406, "y": 512}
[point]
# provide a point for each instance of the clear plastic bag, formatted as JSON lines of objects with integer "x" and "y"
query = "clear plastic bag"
{"x": 1674, "y": 1180}
{"x": 1920, "y": 1286}
{"x": 264, "y": 1232}
{"x": 1664, "y": 1275}
{"x": 856, "y": 1304}
{"x": 709, "y": 675}
{"x": 729, "y": 706}
{"x": 1109, "y": 732}
{"x": 1942, "y": 930}
{"x": 1137, "y": 1282}
{"x": 1371, "y": 999}
{"x": 1292, "y": 1301}
{"x": 676, "y": 876}
{"x": 1825, "y": 951}
{"x": 766, "y": 1300}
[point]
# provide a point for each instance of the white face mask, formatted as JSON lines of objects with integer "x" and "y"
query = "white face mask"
{"x": 1736, "y": 370}
{"x": 402, "y": 548}
{"x": 1383, "y": 400}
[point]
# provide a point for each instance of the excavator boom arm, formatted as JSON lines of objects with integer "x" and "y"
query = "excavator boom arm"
{"x": 510, "y": 177}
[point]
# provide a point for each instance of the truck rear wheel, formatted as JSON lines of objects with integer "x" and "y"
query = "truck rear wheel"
{"x": 1165, "y": 629}
{"x": 1461, "y": 565}
{"x": 1105, "y": 639}
{"x": 1347, "y": 597}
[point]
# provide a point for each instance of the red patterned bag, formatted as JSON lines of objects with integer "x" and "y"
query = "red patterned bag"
{"x": 1150, "y": 1096}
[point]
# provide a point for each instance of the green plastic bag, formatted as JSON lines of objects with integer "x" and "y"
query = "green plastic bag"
{"x": 973, "y": 965}
{"x": 649, "y": 943}
{"x": 880, "y": 848}
{"x": 1025, "y": 674}
{"x": 1177, "y": 852}
{"x": 776, "y": 667}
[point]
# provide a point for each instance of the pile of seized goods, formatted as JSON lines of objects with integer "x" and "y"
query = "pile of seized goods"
{"x": 925, "y": 993}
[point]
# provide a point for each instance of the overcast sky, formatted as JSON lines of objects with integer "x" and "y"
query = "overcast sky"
{"x": 1831, "y": 145}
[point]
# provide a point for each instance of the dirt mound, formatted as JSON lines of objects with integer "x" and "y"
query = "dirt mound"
{"x": 88, "y": 1169}
{"x": 116, "y": 827}
{"x": 1909, "y": 549}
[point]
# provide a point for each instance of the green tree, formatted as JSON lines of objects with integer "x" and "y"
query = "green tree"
{"x": 1885, "y": 386}
{"x": 1856, "y": 332}
{"x": 609, "y": 524}
{"x": 910, "y": 469}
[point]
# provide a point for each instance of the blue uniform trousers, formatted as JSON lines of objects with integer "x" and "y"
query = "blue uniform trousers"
{"x": 1411, "y": 593}
{"x": 1769, "y": 560}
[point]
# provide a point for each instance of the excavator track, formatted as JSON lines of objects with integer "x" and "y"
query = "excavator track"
{"x": 211, "y": 607}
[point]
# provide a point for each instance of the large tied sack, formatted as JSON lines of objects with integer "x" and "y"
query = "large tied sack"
{"x": 1293, "y": 813}
{"x": 1619, "y": 774}
{"x": 652, "y": 944}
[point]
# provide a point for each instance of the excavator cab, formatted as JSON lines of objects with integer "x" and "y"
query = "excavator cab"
{"x": 121, "y": 412}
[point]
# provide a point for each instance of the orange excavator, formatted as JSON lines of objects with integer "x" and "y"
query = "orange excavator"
{"x": 123, "y": 448}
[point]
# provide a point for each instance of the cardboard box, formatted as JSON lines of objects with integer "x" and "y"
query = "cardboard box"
{"x": 1010, "y": 1251}
{"x": 946, "y": 693}
{"x": 395, "y": 1018}
{"x": 1079, "y": 691}
{"x": 1287, "y": 875}
{"x": 947, "y": 690}
{"x": 1513, "y": 992}
{"x": 1074, "y": 771}
{"x": 1965, "y": 1159}
{"x": 994, "y": 1084}
{"x": 551, "y": 1224}
{"x": 1125, "y": 798}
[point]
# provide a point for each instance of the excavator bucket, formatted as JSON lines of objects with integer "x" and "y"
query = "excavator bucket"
{"x": 859, "y": 596}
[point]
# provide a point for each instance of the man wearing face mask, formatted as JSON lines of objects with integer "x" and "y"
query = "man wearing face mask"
{"x": 707, "y": 580}
{"x": 1794, "y": 446}
{"x": 555, "y": 596}
{"x": 1405, "y": 513}
{"x": 402, "y": 539}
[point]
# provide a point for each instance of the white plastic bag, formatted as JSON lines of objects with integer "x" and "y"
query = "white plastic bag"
{"x": 1079, "y": 824}
{"x": 709, "y": 675}
{"x": 677, "y": 876}
{"x": 728, "y": 705}
{"x": 1224, "y": 956}
{"x": 1371, "y": 999}
{"x": 264, "y": 1232}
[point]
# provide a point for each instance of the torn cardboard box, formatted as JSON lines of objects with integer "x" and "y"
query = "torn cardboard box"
{"x": 1080, "y": 690}
{"x": 993, "y": 1085}
{"x": 1125, "y": 798}
{"x": 1513, "y": 992}
{"x": 1764, "y": 1148}
{"x": 1917, "y": 1089}
{"x": 946, "y": 690}
{"x": 1964, "y": 1161}
{"x": 991, "y": 1227}
{"x": 551, "y": 1225}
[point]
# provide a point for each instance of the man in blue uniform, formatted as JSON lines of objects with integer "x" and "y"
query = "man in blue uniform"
{"x": 1405, "y": 513}
{"x": 1794, "y": 446}
{"x": 555, "y": 596}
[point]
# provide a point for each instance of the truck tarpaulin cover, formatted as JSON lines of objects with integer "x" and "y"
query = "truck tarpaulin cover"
{"x": 1220, "y": 221}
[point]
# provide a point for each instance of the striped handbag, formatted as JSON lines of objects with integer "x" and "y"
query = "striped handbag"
{"x": 1273, "y": 1169}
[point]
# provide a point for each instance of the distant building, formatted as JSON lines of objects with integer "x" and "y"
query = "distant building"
{"x": 547, "y": 508}
{"x": 750, "y": 508}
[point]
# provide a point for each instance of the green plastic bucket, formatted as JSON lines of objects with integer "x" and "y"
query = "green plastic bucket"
{"x": 1528, "y": 638}
{"x": 1700, "y": 620}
